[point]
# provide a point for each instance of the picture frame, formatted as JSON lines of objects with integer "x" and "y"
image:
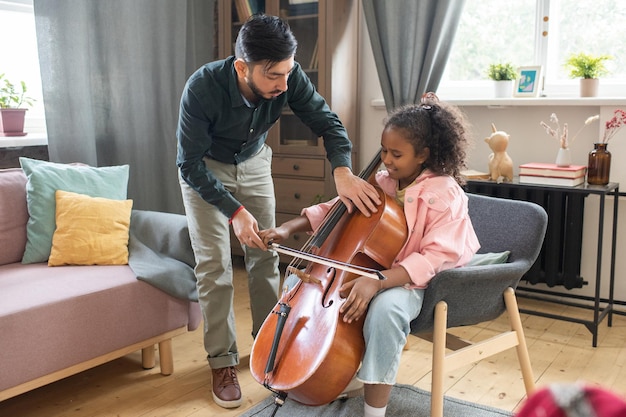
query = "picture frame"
{"x": 528, "y": 82}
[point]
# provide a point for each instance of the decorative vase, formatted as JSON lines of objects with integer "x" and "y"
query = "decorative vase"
{"x": 599, "y": 165}
{"x": 503, "y": 88}
{"x": 563, "y": 157}
{"x": 589, "y": 87}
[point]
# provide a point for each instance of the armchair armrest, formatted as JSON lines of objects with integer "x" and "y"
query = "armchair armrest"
{"x": 480, "y": 284}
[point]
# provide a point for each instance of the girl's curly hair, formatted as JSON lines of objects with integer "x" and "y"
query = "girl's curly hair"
{"x": 439, "y": 126}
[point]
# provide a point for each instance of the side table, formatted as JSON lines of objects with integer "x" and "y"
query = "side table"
{"x": 602, "y": 307}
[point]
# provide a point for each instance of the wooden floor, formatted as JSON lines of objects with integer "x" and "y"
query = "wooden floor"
{"x": 560, "y": 352}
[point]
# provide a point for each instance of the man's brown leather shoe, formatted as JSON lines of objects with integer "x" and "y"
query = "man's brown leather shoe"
{"x": 226, "y": 391}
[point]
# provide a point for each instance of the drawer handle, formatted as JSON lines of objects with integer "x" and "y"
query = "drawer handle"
{"x": 296, "y": 167}
{"x": 296, "y": 196}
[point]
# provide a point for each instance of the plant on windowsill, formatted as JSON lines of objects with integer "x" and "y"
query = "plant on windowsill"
{"x": 503, "y": 76}
{"x": 589, "y": 68}
{"x": 13, "y": 106}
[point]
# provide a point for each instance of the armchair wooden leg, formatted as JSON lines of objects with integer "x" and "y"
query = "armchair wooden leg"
{"x": 439, "y": 356}
{"x": 522, "y": 348}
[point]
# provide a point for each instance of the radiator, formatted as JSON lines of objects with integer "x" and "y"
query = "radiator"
{"x": 559, "y": 260}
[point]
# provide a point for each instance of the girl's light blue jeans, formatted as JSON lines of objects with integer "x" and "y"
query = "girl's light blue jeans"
{"x": 385, "y": 330}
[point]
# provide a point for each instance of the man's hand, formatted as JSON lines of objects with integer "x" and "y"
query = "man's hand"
{"x": 355, "y": 191}
{"x": 246, "y": 229}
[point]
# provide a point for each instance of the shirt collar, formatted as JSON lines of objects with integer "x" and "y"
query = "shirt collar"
{"x": 236, "y": 98}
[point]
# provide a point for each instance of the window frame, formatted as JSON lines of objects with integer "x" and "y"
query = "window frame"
{"x": 483, "y": 89}
{"x": 35, "y": 122}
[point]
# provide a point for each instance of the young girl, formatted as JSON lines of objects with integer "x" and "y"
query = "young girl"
{"x": 423, "y": 151}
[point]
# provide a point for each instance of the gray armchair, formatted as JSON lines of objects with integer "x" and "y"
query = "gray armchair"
{"x": 474, "y": 294}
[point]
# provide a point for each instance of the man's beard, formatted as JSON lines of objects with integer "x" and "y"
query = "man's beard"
{"x": 257, "y": 93}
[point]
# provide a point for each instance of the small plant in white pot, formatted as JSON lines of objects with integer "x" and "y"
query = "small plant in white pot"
{"x": 589, "y": 68}
{"x": 503, "y": 75}
{"x": 13, "y": 106}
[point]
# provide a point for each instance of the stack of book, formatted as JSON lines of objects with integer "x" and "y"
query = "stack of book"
{"x": 552, "y": 174}
{"x": 472, "y": 174}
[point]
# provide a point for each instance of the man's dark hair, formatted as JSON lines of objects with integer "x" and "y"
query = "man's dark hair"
{"x": 265, "y": 38}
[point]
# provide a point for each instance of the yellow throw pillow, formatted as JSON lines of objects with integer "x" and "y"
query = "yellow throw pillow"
{"x": 90, "y": 230}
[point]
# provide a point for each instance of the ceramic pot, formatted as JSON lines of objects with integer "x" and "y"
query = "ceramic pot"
{"x": 589, "y": 87}
{"x": 503, "y": 89}
{"x": 599, "y": 166}
{"x": 12, "y": 122}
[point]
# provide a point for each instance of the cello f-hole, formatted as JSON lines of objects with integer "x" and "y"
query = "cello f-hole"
{"x": 332, "y": 273}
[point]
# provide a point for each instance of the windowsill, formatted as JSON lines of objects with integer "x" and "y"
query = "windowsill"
{"x": 31, "y": 139}
{"x": 496, "y": 103}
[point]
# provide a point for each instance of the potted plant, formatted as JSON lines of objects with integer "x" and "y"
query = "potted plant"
{"x": 503, "y": 76}
{"x": 13, "y": 106}
{"x": 589, "y": 68}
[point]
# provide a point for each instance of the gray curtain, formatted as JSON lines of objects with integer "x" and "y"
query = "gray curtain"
{"x": 112, "y": 75}
{"x": 411, "y": 41}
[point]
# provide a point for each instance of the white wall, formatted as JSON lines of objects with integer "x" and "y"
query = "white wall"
{"x": 529, "y": 143}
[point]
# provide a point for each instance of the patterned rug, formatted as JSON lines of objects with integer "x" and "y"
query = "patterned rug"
{"x": 405, "y": 400}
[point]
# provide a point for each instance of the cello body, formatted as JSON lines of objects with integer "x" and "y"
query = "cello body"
{"x": 318, "y": 353}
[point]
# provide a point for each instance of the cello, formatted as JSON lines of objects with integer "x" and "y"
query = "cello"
{"x": 304, "y": 349}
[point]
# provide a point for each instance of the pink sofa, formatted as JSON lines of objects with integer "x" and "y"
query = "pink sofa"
{"x": 58, "y": 321}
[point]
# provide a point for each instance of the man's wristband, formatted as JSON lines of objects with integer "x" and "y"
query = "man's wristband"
{"x": 235, "y": 213}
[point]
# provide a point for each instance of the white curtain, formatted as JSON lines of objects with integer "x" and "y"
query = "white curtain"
{"x": 112, "y": 75}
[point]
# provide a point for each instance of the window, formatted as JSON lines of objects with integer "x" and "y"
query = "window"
{"x": 19, "y": 60}
{"x": 536, "y": 32}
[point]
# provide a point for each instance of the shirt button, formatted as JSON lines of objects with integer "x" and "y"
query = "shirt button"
{"x": 251, "y": 130}
{"x": 431, "y": 201}
{"x": 410, "y": 199}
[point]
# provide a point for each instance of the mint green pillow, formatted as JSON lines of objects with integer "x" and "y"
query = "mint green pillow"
{"x": 490, "y": 258}
{"x": 44, "y": 178}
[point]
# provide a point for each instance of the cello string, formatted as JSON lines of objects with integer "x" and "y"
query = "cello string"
{"x": 332, "y": 218}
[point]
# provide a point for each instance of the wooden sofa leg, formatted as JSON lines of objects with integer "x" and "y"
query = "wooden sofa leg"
{"x": 148, "y": 357}
{"x": 166, "y": 357}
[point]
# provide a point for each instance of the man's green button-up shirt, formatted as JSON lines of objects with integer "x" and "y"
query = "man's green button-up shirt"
{"x": 215, "y": 121}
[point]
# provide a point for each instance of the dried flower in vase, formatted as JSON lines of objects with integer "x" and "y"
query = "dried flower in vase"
{"x": 562, "y": 136}
{"x": 612, "y": 126}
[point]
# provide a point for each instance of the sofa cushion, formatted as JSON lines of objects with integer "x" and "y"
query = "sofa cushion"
{"x": 44, "y": 178}
{"x": 90, "y": 230}
{"x": 13, "y": 215}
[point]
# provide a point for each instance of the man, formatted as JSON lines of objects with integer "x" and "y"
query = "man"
{"x": 226, "y": 109}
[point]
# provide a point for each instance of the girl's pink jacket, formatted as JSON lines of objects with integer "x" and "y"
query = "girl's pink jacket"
{"x": 441, "y": 235}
